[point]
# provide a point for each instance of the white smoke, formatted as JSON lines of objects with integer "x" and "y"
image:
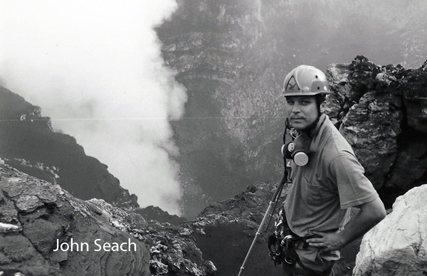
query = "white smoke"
{"x": 95, "y": 68}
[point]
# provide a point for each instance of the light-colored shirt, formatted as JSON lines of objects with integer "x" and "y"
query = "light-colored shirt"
{"x": 332, "y": 181}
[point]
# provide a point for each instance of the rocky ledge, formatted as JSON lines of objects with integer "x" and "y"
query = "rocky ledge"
{"x": 46, "y": 231}
{"x": 38, "y": 217}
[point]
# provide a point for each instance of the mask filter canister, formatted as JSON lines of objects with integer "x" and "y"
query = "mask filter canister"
{"x": 299, "y": 156}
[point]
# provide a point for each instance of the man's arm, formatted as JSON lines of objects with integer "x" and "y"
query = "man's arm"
{"x": 369, "y": 215}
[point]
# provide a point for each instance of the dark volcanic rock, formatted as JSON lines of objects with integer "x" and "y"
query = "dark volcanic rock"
{"x": 380, "y": 111}
{"x": 29, "y": 144}
{"x": 157, "y": 214}
{"x": 415, "y": 98}
{"x": 369, "y": 114}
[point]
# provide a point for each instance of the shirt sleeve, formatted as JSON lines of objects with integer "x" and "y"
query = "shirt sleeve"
{"x": 353, "y": 187}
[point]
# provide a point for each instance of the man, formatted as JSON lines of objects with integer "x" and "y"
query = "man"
{"x": 330, "y": 183}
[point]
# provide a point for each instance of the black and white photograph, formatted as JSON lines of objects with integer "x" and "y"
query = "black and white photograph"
{"x": 213, "y": 137}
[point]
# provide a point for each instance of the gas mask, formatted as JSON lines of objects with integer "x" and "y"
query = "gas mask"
{"x": 298, "y": 150}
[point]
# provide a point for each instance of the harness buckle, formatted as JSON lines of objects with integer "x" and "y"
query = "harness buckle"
{"x": 288, "y": 244}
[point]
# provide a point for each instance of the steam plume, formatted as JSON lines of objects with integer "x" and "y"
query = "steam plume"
{"x": 95, "y": 68}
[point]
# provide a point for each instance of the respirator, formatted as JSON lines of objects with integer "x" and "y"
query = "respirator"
{"x": 298, "y": 150}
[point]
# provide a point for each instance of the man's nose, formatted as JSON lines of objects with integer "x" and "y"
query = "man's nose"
{"x": 295, "y": 108}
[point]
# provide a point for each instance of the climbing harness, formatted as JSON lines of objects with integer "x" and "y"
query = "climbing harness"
{"x": 282, "y": 244}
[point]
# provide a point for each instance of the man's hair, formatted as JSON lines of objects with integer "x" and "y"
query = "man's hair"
{"x": 320, "y": 98}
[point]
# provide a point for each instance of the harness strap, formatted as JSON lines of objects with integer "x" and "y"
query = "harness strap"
{"x": 284, "y": 241}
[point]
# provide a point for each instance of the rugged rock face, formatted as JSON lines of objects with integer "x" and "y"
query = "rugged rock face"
{"x": 29, "y": 144}
{"x": 232, "y": 57}
{"x": 398, "y": 244}
{"x": 36, "y": 216}
{"x": 380, "y": 110}
{"x": 369, "y": 117}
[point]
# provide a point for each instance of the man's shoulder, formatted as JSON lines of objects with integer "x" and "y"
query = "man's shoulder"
{"x": 335, "y": 144}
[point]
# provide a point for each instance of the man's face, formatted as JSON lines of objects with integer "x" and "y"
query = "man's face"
{"x": 301, "y": 111}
